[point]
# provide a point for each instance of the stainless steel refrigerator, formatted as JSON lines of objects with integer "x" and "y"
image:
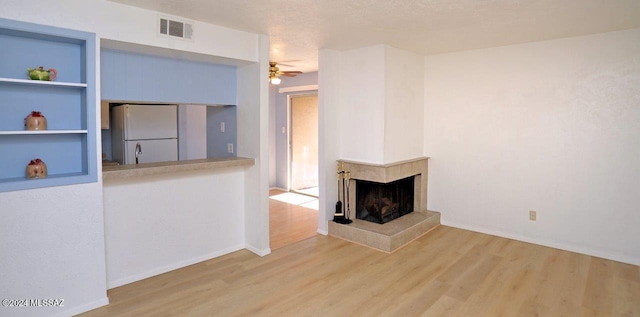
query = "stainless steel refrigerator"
{"x": 144, "y": 133}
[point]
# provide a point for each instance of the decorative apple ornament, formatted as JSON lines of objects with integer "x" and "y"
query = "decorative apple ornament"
{"x": 36, "y": 169}
{"x": 35, "y": 121}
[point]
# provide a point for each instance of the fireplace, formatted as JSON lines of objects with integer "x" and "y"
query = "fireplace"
{"x": 383, "y": 202}
{"x": 398, "y": 188}
{"x": 387, "y": 203}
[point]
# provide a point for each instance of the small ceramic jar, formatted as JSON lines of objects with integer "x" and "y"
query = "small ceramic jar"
{"x": 36, "y": 169}
{"x": 35, "y": 121}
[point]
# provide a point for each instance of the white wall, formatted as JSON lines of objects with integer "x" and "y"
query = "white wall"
{"x": 253, "y": 141}
{"x": 404, "y": 105}
{"x": 160, "y": 223}
{"x": 52, "y": 246}
{"x": 361, "y": 115}
{"x": 329, "y": 134}
{"x": 550, "y": 126}
{"x": 114, "y": 21}
{"x": 382, "y": 93}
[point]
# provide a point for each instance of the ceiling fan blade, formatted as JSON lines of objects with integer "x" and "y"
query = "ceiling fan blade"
{"x": 288, "y": 61}
{"x": 274, "y": 71}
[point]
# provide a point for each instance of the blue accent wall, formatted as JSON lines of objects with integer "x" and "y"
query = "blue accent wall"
{"x": 148, "y": 78}
{"x": 216, "y": 140}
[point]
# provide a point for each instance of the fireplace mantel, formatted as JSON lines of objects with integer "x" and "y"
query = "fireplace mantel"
{"x": 386, "y": 173}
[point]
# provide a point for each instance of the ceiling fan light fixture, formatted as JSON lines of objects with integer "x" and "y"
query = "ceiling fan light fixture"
{"x": 275, "y": 80}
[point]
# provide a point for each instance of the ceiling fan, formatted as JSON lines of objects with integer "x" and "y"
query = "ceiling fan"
{"x": 275, "y": 73}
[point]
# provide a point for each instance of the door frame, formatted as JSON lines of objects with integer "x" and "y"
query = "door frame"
{"x": 289, "y": 135}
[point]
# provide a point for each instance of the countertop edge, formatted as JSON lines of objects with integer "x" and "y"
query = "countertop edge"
{"x": 128, "y": 171}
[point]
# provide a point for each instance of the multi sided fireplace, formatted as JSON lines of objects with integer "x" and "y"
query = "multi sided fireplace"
{"x": 388, "y": 203}
{"x": 383, "y": 202}
{"x": 382, "y": 193}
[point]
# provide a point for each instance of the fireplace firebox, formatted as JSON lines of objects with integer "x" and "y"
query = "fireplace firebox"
{"x": 383, "y": 202}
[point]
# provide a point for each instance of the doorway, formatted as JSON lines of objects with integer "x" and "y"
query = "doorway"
{"x": 303, "y": 144}
{"x": 293, "y": 211}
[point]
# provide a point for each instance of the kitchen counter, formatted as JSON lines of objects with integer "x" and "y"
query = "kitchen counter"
{"x": 133, "y": 170}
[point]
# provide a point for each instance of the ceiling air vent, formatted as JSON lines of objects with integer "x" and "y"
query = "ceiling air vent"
{"x": 175, "y": 28}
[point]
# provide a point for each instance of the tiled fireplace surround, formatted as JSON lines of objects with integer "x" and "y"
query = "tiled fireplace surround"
{"x": 393, "y": 235}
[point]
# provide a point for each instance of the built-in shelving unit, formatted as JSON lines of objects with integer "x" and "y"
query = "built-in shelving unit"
{"x": 68, "y": 147}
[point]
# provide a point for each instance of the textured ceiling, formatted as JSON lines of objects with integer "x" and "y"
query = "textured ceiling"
{"x": 298, "y": 28}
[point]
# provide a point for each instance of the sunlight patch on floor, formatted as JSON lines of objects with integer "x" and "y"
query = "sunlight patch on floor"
{"x": 297, "y": 199}
{"x": 312, "y": 191}
{"x": 311, "y": 205}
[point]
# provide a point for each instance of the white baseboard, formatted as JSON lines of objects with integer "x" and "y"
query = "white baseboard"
{"x": 171, "y": 267}
{"x": 551, "y": 244}
{"x": 84, "y": 308}
{"x": 323, "y": 232}
{"x": 278, "y": 188}
{"x": 257, "y": 251}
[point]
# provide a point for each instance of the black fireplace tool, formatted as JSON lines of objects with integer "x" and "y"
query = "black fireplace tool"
{"x": 341, "y": 215}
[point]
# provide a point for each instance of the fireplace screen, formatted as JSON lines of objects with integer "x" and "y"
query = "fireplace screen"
{"x": 381, "y": 203}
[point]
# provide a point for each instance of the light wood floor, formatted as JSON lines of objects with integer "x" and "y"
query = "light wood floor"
{"x": 448, "y": 272}
{"x": 289, "y": 223}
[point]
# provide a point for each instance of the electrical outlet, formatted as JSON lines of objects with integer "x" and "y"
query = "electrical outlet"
{"x": 532, "y": 215}
{"x": 222, "y": 127}
{"x": 284, "y": 129}
{"x": 230, "y": 147}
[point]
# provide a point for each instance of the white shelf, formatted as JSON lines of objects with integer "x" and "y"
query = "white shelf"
{"x": 41, "y": 83}
{"x": 23, "y": 132}
{"x": 49, "y": 178}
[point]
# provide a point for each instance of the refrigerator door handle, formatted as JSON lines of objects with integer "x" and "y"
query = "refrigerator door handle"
{"x": 138, "y": 151}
